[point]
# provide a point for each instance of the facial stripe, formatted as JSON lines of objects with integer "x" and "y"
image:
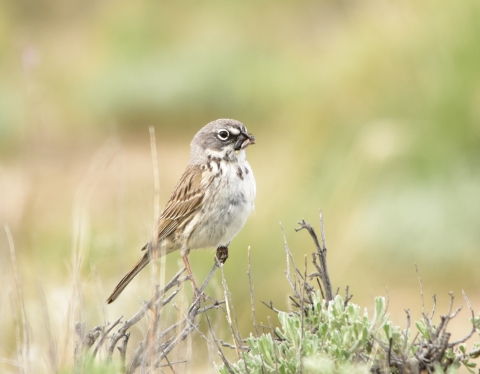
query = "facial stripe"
{"x": 234, "y": 130}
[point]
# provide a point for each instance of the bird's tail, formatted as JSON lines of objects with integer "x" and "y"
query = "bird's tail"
{"x": 127, "y": 278}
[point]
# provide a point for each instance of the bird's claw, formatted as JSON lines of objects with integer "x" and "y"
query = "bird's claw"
{"x": 222, "y": 255}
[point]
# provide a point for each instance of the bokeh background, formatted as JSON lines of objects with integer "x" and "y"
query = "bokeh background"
{"x": 368, "y": 110}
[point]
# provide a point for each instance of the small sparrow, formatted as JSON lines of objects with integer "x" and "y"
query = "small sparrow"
{"x": 210, "y": 203}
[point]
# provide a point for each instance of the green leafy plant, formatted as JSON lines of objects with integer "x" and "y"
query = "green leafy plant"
{"x": 334, "y": 337}
{"x": 329, "y": 334}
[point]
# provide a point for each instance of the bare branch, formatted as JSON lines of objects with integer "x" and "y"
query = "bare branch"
{"x": 220, "y": 352}
{"x": 103, "y": 336}
{"x": 407, "y": 329}
{"x": 293, "y": 284}
{"x": 270, "y": 306}
{"x": 348, "y": 297}
{"x": 175, "y": 281}
{"x": 252, "y": 298}
{"x": 421, "y": 288}
{"x": 434, "y": 306}
{"x": 460, "y": 341}
{"x": 322, "y": 227}
{"x": 322, "y": 255}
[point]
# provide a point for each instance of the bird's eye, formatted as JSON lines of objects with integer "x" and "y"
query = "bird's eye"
{"x": 223, "y": 134}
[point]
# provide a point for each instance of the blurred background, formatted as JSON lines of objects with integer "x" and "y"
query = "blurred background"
{"x": 367, "y": 110}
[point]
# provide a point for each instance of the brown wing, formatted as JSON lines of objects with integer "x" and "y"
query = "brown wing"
{"x": 185, "y": 199}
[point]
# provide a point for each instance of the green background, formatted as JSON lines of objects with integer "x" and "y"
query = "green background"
{"x": 368, "y": 110}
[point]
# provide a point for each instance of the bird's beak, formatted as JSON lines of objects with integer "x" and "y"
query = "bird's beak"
{"x": 244, "y": 139}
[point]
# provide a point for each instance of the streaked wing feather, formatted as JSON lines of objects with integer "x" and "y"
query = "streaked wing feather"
{"x": 186, "y": 198}
{"x": 165, "y": 228}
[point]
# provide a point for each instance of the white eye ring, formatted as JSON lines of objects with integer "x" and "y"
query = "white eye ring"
{"x": 223, "y": 134}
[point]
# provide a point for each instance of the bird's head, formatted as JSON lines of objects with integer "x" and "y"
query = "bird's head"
{"x": 221, "y": 138}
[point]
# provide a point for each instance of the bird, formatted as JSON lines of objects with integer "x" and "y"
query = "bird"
{"x": 210, "y": 203}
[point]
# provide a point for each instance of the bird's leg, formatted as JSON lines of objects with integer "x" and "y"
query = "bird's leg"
{"x": 222, "y": 254}
{"x": 197, "y": 295}
{"x": 189, "y": 271}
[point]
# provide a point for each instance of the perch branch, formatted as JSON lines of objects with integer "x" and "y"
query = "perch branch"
{"x": 321, "y": 254}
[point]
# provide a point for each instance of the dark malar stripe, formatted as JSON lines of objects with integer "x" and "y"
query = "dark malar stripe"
{"x": 240, "y": 173}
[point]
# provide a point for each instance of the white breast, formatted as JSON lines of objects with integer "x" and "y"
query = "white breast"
{"x": 227, "y": 204}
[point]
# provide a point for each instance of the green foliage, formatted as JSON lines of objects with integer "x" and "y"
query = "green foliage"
{"x": 338, "y": 338}
{"x": 332, "y": 340}
{"x": 86, "y": 365}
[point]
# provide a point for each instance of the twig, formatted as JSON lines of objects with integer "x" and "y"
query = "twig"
{"x": 123, "y": 350}
{"x": 265, "y": 326}
{"x": 220, "y": 352}
{"x": 275, "y": 347}
{"x": 322, "y": 254}
{"x": 173, "y": 363}
{"x": 434, "y": 306}
{"x": 389, "y": 356}
{"x": 227, "y": 345}
{"x": 444, "y": 320}
{"x": 270, "y": 306}
{"x": 473, "y": 323}
{"x": 92, "y": 336}
{"x": 194, "y": 326}
{"x": 103, "y": 336}
{"x": 83, "y": 343}
{"x": 175, "y": 281}
{"x": 215, "y": 305}
{"x": 293, "y": 284}
{"x": 442, "y": 346}
{"x": 421, "y": 288}
{"x": 407, "y": 329}
{"x": 135, "y": 360}
{"x": 348, "y": 297}
{"x": 474, "y": 353}
{"x": 393, "y": 357}
{"x": 452, "y": 297}
{"x": 161, "y": 350}
{"x": 226, "y": 295}
{"x": 322, "y": 227}
{"x": 239, "y": 337}
{"x": 252, "y": 299}
{"x": 302, "y": 317}
{"x": 318, "y": 281}
{"x": 295, "y": 303}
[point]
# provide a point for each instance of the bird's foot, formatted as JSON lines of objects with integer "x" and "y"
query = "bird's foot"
{"x": 222, "y": 255}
